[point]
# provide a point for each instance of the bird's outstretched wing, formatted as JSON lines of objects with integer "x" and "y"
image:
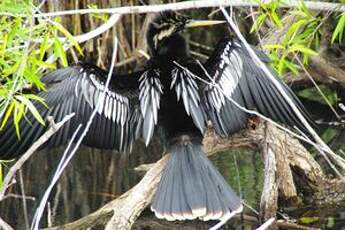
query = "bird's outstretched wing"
{"x": 236, "y": 76}
{"x": 77, "y": 90}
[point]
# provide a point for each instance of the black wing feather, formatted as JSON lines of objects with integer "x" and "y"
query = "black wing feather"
{"x": 236, "y": 76}
{"x": 77, "y": 90}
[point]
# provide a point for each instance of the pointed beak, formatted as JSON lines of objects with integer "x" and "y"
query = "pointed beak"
{"x": 199, "y": 23}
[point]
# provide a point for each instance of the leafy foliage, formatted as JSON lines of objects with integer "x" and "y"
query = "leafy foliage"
{"x": 25, "y": 47}
{"x": 267, "y": 11}
{"x": 339, "y": 29}
{"x": 300, "y": 39}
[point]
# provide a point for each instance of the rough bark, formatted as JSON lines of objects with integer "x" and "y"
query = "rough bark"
{"x": 269, "y": 196}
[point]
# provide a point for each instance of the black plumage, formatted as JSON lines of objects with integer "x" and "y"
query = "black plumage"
{"x": 170, "y": 97}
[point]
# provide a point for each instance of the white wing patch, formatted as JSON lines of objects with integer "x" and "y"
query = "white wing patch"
{"x": 114, "y": 106}
{"x": 228, "y": 72}
{"x": 150, "y": 91}
{"x": 187, "y": 89}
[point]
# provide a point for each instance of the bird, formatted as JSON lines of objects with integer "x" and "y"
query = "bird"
{"x": 173, "y": 96}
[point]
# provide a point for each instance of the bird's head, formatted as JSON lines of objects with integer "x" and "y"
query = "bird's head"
{"x": 169, "y": 23}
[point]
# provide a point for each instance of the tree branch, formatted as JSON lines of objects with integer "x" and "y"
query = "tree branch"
{"x": 126, "y": 209}
{"x": 19, "y": 163}
{"x": 323, "y": 6}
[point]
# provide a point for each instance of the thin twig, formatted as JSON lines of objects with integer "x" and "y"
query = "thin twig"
{"x": 57, "y": 174}
{"x": 4, "y": 225}
{"x": 267, "y": 224}
{"x": 16, "y": 196}
{"x": 323, "y": 6}
{"x": 25, "y": 207}
{"x": 317, "y": 87}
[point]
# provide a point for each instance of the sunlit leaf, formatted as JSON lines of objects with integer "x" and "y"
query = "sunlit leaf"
{"x": 308, "y": 220}
{"x": 292, "y": 67}
{"x": 276, "y": 20}
{"x": 274, "y": 46}
{"x": 8, "y": 6}
{"x": 339, "y": 29}
{"x": 44, "y": 46}
{"x": 293, "y": 30}
{"x": 257, "y": 24}
{"x": 60, "y": 52}
{"x": 302, "y": 49}
{"x": 36, "y": 98}
{"x": 68, "y": 36}
{"x": 281, "y": 66}
{"x": 7, "y": 115}
{"x": 18, "y": 114}
{"x": 32, "y": 77}
{"x": 32, "y": 108}
{"x": 330, "y": 222}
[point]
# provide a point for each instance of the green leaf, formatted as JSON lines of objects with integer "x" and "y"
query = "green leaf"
{"x": 60, "y": 52}
{"x": 281, "y": 65}
{"x": 32, "y": 77}
{"x": 339, "y": 30}
{"x": 14, "y": 30}
{"x": 12, "y": 68}
{"x": 293, "y": 30}
{"x": 274, "y": 46}
{"x": 18, "y": 114}
{"x": 276, "y": 20}
{"x": 8, "y": 6}
{"x": 314, "y": 94}
{"x": 7, "y": 114}
{"x": 31, "y": 107}
{"x": 257, "y": 24}
{"x": 292, "y": 67}
{"x": 44, "y": 64}
{"x": 328, "y": 135}
{"x": 44, "y": 46}
{"x": 36, "y": 98}
{"x": 302, "y": 49}
{"x": 67, "y": 34}
{"x": 308, "y": 220}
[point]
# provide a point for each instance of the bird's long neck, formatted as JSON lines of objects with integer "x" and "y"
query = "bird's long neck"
{"x": 172, "y": 48}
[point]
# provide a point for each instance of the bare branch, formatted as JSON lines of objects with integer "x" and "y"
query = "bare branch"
{"x": 323, "y": 6}
{"x": 126, "y": 209}
{"x": 138, "y": 199}
{"x": 4, "y": 225}
{"x": 52, "y": 129}
{"x": 267, "y": 225}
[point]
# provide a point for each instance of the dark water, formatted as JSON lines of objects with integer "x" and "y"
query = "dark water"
{"x": 95, "y": 177}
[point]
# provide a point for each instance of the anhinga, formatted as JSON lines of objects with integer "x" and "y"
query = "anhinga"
{"x": 171, "y": 96}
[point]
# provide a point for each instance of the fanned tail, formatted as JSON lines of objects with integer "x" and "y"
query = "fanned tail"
{"x": 191, "y": 187}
